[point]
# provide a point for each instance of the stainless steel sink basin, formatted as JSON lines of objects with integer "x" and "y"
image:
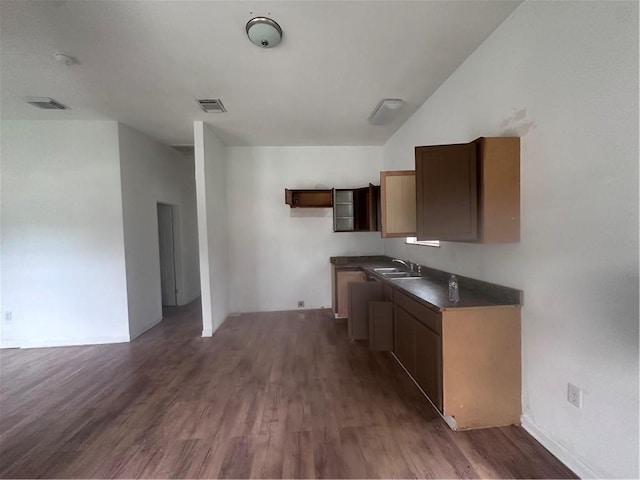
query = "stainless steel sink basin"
{"x": 400, "y": 274}
{"x": 386, "y": 270}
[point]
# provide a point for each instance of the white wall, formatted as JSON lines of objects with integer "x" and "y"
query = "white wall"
{"x": 564, "y": 77}
{"x": 279, "y": 255}
{"x": 63, "y": 264}
{"x": 152, "y": 172}
{"x": 211, "y": 194}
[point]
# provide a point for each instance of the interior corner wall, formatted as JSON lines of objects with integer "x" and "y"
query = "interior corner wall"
{"x": 280, "y": 254}
{"x": 63, "y": 263}
{"x": 211, "y": 188}
{"x": 564, "y": 77}
{"x": 154, "y": 173}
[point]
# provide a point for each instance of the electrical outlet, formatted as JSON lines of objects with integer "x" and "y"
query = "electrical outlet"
{"x": 574, "y": 395}
{"x": 300, "y": 303}
{"x": 8, "y": 317}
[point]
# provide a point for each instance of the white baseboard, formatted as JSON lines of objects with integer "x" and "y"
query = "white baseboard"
{"x": 207, "y": 332}
{"x": 572, "y": 461}
{"x": 72, "y": 342}
{"x": 189, "y": 299}
{"x": 144, "y": 328}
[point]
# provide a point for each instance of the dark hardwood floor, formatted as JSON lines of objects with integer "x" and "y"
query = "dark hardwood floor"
{"x": 271, "y": 395}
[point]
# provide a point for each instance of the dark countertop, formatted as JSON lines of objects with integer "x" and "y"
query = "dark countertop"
{"x": 432, "y": 287}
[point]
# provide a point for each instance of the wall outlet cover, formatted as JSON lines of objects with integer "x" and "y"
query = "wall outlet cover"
{"x": 574, "y": 395}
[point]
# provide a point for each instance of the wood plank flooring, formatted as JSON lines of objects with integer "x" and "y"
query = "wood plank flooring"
{"x": 271, "y": 395}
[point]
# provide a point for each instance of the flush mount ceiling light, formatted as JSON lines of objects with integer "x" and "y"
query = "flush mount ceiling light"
{"x": 65, "y": 59}
{"x": 46, "y": 103}
{"x": 385, "y": 111}
{"x": 264, "y": 32}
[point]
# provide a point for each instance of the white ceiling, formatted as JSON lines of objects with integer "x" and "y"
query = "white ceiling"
{"x": 144, "y": 62}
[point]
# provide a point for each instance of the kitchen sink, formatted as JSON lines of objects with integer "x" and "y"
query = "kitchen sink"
{"x": 395, "y": 273}
{"x": 400, "y": 274}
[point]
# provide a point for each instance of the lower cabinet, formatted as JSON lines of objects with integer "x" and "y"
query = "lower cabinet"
{"x": 428, "y": 369}
{"x": 371, "y": 314}
{"x": 418, "y": 347}
{"x": 360, "y": 296}
{"x": 404, "y": 345}
{"x": 466, "y": 360}
{"x": 340, "y": 280}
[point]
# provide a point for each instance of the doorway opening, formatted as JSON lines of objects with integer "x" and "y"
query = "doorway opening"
{"x": 168, "y": 245}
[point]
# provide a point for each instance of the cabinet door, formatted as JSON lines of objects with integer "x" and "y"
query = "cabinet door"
{"x": 381, "y": 326}
{"x": 429, "y": 363}
{"x": 447, "y": 192}
{"x": 403, "y": 338}
{"x": 360, "y": 294}
{"x": 398, "y": 203}
{"x": 343, "y": 278}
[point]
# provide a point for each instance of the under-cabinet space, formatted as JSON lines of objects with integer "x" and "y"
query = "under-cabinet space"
{"x": 469, "y": 192}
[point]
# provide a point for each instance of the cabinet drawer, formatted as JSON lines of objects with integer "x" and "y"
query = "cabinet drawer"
{"x": 423, "y": 314}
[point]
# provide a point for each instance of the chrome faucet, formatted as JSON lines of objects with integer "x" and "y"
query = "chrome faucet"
{"x": 413, "y": 267}
{"x": 409, "y": 265}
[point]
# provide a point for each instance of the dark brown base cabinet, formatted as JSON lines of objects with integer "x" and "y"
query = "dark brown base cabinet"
{"x": 418, "y": 346}
{"x": 466, "y": 360}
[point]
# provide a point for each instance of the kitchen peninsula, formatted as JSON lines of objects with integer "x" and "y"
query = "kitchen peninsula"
{"x": 464, "y": 356}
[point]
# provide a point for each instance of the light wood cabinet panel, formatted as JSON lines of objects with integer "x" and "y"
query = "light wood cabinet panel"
{"x": 398, "y": 203}
{"x": 482, "y": 366}
{"x": 499, "y": 199}
{"x": 341, "y": 298}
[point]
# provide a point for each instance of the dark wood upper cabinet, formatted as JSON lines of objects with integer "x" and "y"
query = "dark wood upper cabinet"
{"x": 357, "y": 209}
{"x": 469, "y": 192}
{"x": 308, "y": 198}
{"x": 447, "y": 192}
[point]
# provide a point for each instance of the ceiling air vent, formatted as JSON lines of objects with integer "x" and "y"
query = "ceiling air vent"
{"x": 212, "y": 105}
{"x": 46, "y": 103}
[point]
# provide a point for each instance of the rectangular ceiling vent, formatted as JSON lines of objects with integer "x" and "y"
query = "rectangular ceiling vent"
{"x": 212, "y": 105}
{"x": 46, "y": 103}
